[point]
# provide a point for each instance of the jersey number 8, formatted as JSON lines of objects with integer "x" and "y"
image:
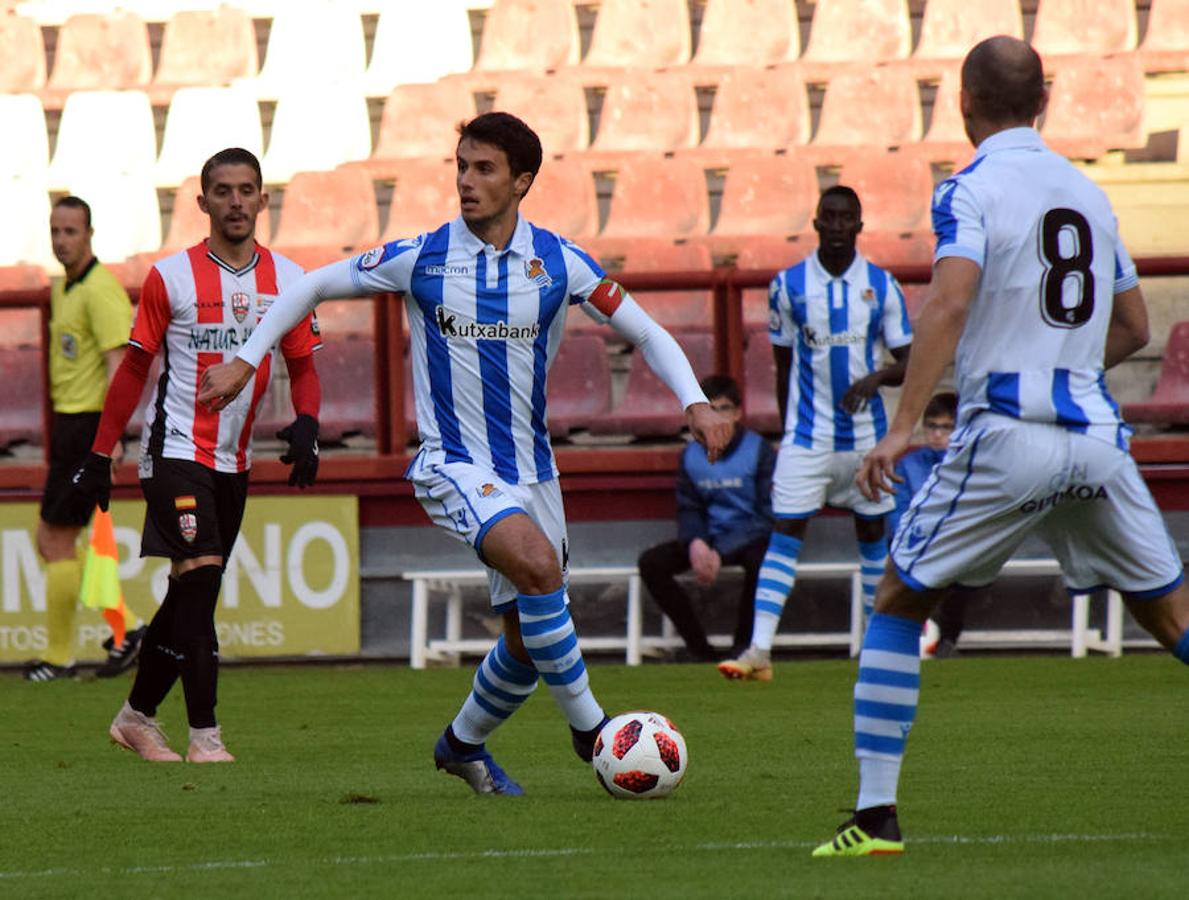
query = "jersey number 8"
{"x": 1060, "y": 267}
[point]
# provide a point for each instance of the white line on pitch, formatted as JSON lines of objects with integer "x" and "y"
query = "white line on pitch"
{"x": 550, "y": 853}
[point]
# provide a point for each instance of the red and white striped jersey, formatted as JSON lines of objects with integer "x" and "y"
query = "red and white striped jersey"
{"x": 200, "y": 311}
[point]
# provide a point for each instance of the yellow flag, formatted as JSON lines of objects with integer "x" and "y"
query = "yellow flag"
{"x": 101, "y": 581}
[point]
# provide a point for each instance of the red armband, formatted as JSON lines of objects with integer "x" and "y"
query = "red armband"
{"x": 606, "y": 297}
{"x": 122, "y": 396}
{"x": 304, "y": 387}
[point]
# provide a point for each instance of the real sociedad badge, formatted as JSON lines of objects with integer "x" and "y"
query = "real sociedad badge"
{"x": 534, "y": 271}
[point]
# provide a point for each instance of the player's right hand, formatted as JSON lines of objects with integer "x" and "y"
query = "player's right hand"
{"x": 90, "y": 485}
{"x": 222, "y": 382}
{"x": 877, "y": 472}
{"x": 710, "y": 429}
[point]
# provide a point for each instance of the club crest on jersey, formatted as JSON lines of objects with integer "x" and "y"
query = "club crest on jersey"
{"x": 371, "y": 258}
{"x": 240, "y": 305}
{"x": 188, "y": 526}
{"x": 534, "y": 271}
{"x": 868, "y": 295}
{"x": 489, "y": 490}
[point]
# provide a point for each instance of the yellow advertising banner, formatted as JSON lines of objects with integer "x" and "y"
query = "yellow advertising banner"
{"x": 291, "y": 587}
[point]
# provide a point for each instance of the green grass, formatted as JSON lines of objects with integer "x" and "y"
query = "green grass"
{"x": 1041, "y": 777}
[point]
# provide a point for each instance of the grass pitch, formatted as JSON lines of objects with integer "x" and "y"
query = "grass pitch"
{"x": 1025, "y": 777}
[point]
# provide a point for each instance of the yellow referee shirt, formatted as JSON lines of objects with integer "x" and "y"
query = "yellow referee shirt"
{"x": 88, "y": 317}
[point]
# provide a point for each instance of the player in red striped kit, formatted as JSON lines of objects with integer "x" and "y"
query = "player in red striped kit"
{"x": 196, "y": 309}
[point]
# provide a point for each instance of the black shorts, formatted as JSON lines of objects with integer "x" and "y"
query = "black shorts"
{"x": 71, "y": 436}
{"x": 190, "y": 510}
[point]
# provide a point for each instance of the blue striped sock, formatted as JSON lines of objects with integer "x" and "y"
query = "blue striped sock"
{"x": 873, "y": 556}
{"x": 502, "y": 683}
{"x": 778, "y": 574}
{"x": 1181, "y": 651}
{"x": 551, "y": 641}
{"x": 886, "y": 697}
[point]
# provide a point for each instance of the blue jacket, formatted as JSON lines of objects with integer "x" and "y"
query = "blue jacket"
{"x": 728, "y": 503}
{"x": 914, "y": 467}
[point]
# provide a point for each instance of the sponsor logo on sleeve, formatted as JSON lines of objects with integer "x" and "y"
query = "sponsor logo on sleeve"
{"x": 370, "y": 259}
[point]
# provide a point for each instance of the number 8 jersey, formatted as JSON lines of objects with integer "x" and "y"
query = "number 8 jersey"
{"x": 1035, "y": 335}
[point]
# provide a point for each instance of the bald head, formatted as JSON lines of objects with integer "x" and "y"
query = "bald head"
{"x": 1003, "y": 80}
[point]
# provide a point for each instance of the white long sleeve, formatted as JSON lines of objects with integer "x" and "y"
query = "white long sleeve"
{"x": 293, "y": 304}
{"x": 663, "y": 354}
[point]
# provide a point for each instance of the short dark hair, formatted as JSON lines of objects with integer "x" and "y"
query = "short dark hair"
{"x": 73, "y": 202}
{"x": 1004, "y": 79}
{"x": 504, "y": 130}
{"x": 232, "y": 156}
{"x": 716, "y": 386}
{"x": 943, "y": 404}
{"x": 841, "y": 190}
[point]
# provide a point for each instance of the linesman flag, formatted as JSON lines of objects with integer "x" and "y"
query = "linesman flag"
{"x": 101, "y": 579}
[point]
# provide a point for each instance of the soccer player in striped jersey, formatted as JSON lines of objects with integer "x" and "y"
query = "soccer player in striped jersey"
{"x": 831, "y": 317}
{"x": 197, "y": 307}
{"x": 1033, "y": 296}
{"x": 487, "y": 296}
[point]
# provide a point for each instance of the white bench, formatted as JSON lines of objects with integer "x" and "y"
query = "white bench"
{"x": 635, "y": 644}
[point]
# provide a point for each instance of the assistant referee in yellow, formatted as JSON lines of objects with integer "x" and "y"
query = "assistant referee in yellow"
{"x": 90, "y": 320}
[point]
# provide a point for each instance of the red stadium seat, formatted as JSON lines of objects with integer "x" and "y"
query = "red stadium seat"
{"x": 563, "y": 199}
{"x": 435, "y": 108}
{"x": 100, "y": 51}
{"x": 22, "y": 54}
{"x": 24, "y": 387}
{"x": 1166, "y": 44}
{"x": 326, "y": 216}
{"x": 554, "y": 107}
{"x": 650, "y": 33}
{"x": 870, "y": 107}
{"x": 949, "y": 28}
{"x": 862, "y": 31}
{"x": 682, "y": 310}
{"x": 424, "y": 198}
{"x": 644, "y": 111}
{"x": 1084, "y": 26}
{"x": 188, "y": 224}
{"x": 529, "y": 36}
{"x": 760, "y": 410}
{"x": 769, "y": 255}
{"x": 346, "y": 367}
{"x": 767, "y": 196}
{"x": 896, "y": 191}
{"x": 946, "y": 126}
{"x": 648, "y": 408}
{"x": 579, "y": 389}
{"x": 207, "y": 47}
{"x": 1096, "y": 104}
{"x": 748, "y": 33}
{"x": 1169, "y": 403}
{"x": 656, "y": 197}
{"x": 735, "y": 122}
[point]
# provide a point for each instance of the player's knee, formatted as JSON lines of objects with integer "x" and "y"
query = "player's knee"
{"x": 194, "y": 617}
{"x": 56, "y": 543}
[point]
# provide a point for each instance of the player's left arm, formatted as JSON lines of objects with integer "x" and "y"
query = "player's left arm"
{"x": 1128, "y": 331}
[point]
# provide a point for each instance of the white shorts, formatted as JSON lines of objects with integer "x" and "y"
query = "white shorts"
{"x": 1003, "y": 479}
{"x": 466, "y": 500}
{"x": 806, "y": 480}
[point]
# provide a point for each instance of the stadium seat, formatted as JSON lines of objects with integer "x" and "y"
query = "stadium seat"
{"x": 643, "y": 111}
{"x": 579, "y": 387}
{"x": 656, "y": 197}
{"x": 25, "y": 238}
{"x": 202, "y": 121}
{"x": 1169, "y": 403}
{"x": 104, "y": 132}
{"x": 317, "y": 129}
{"x": 96, "y": 52}
{"x": 402, "y": 55}
{"x": 771, "y": 256}
{"x": 949, "y": 28}
{"x": 736, "y": 122}
{"x": 872, "y": 107}
{"x": 24, "y": 152}
{"x": 563, "y": 199}
{"x": 124, "y": 212}
{"x": 767, "y": 196}
{"x": 1084, "y": 26}
{"x": 1166, "y": 43}
{"x": 424, "y": 198}
{"x": 761, "y": 412}
{"x": 346, "y": 368}
{"x": 946, "y": 126}
{"x": 326, "y": 216}
{"x": 529, "y": 36}
{"x": 435, "y": 108}
{"x": 555, "y": 108}
{"x": 858, "y": 31}
{"x": 22, "y": 54}
{"x": 188, "y": 224}
{"x": 207, "y": 47}
{"x": 302, "y": 36}
{"x": 24, "y": 389}
{"x": 680, "y": 310}
{"x": 648, "y": 408}
{"x": 748, "y": 33}
{"x": 645, "y": 33}
{"x": 1096, "y": 104}
{"x": 895, "y": 190}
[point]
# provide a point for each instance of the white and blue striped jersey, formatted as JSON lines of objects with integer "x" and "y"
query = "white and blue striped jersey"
{"x": 838, "y": 329}
{"x": 484, "y": 328}
{"x": 1048, "y": 245}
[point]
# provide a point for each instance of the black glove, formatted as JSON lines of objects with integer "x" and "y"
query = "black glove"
{"x": 302, "y": 437}
{"x": 91, "y": 483}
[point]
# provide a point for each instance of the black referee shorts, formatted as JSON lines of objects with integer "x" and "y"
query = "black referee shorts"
{"x": 71, "y": 436}
{"x": 191, "y": 510}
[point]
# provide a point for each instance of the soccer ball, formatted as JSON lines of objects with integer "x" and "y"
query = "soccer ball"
{"x": 640, "y": 755}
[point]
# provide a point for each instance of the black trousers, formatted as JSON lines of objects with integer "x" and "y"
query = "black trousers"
{"x": 659, "y": 567}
